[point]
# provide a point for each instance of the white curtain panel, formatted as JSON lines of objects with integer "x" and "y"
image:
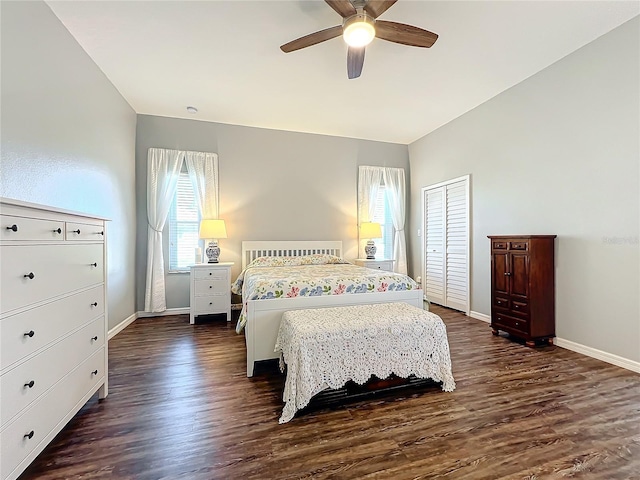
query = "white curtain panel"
{"x": 396, "y": 194}
{"x": 203, "y": 173}
{"x": 163, "y": 170}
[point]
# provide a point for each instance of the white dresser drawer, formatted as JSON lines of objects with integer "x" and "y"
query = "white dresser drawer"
{"x": 221, "y": 274}
{"x": 84, "y": 231}
{"x": 212, "y": 304}
{"x": 25, "y": 383}
{"x": 62, "y": 401}
{"x": 48, "y": 323}
{"x": 33, "y": 273}
{"x": 209, "y": 287}
{"x": 20, "y": 228}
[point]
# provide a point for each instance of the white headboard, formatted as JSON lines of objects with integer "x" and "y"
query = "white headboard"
{"x": 288, "y": 248}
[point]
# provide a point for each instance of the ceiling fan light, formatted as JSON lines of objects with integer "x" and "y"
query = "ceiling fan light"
{"x": 359, "y": 33}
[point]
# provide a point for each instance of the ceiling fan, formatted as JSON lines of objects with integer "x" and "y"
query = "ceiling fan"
{"x": 360, "y": 25}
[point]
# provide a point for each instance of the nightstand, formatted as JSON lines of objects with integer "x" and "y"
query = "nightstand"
{"x": 377, "y": 264}
{"x": 210, "y": 289}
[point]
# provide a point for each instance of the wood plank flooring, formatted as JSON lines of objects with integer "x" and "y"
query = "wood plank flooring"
{"x": 181, "y": 407}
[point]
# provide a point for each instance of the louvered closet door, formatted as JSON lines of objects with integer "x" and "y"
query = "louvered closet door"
{"x": 434, "y": 235}
{"x": 446, "y": 225}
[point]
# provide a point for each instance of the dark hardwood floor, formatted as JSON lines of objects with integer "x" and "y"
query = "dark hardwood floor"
{"x": 181, "y": 407}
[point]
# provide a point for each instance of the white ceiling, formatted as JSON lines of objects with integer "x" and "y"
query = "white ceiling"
{"x": 223, "y": 57}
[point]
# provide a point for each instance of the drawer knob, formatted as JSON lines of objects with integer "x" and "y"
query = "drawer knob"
{"x": 94, "y": 264}
{"x": 94, "y": 304}
{"x": 516, "y": 306}
{"x": 29, "y": 334}
{"x": 13, "y": 228}
{"x": 94, "y": 338}
{"x": 95, "y": 372}
{"x": 30, "y": 384}
{"x": 210, "y": 273}
{"x": 101, "y": 233}
{"x": 517, "y": 324}
{"x": 30, "y": 275}
{"x": 499, "y": 302}
{"x": 76, "y": 231}
{"x": 57, "y": 230}
{"x": 210, "y": 286}
{"x": 29, "y": 435}
{"x": 210, "y": 303}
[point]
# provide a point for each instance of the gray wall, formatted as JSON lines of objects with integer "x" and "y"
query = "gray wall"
{"x": 557, "y": 154}
{"x": 68, "y": 136}
{"x": 274, "y": 185}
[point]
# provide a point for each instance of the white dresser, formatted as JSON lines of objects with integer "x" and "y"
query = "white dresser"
{"x": 53, "y": 327}
{"x": 377, "y": 264}
{"x": 210, "y": 289}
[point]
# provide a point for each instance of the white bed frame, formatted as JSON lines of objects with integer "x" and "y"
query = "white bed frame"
{"x": 263, "y": 316}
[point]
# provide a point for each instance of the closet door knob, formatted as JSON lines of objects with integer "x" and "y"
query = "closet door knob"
{"x": 94, "y": 264}
{"x": 30, "y": 275}
{"x": 57, "y": 230}
{"x": 13, "y": 228}
{"x": 29, "y": 334}
{"x": 507, "y": 274}
{"x": 76, "y": 231}
{"x": 30, "y": 384}
{"x": 29, "y": 435}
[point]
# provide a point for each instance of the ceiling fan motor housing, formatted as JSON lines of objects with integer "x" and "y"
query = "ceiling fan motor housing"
{"x": 359, "y": 29}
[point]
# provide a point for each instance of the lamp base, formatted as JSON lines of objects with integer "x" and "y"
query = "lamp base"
{"x": 370, "y": 250}
{"x": 213, "y": 251}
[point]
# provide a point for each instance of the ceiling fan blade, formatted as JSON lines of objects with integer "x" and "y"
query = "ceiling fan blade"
{"x": 355, "y": 61}
{"x": 375, "y": 8}
{"x": 404, "y": 34}
{"x": 312, "y": 39}
{"x": 343, "y": 7}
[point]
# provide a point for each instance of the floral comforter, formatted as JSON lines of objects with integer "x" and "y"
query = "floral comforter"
{"x": 265, "y": 281}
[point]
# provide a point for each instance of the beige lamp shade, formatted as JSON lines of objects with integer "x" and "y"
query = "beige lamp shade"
{"x": 212, "y": 228}
{"x": 370, "y": 230}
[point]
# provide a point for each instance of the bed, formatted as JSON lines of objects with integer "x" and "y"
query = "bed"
{"x": 260, "y": 318}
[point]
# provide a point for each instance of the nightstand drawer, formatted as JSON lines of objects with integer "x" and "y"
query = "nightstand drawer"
{"x": 209, "y": 287}
{"x": 217, "y": 303}
{"x": 212, "y": 274}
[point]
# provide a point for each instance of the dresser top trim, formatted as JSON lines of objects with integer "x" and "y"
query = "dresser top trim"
{"x": 36, "y": 206}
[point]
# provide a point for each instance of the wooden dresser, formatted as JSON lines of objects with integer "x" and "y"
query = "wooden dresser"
{"x": 53, "y": 327}
{"x": 523, "y": 286}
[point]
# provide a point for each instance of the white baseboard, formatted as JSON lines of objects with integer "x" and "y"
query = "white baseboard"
{"x": 168, "y": 311}
{"x": 598, "y": 354}
{"x": 480, "y": 316}
{"x": 122, "y": 325}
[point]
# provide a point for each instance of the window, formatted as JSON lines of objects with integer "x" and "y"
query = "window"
{"x": 184, "y": 223}
{"x": 382, "y": 216}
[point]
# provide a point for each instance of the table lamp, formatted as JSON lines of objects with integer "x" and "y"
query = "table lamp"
{"x": 370, "y": 230}
{"x": 212, "y": 229}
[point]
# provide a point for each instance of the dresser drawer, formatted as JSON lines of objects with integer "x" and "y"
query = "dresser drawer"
{"x": 212, "y": 304}
{"x": 520, "y": 308}
{"x": 33, "y": 273}
{"x": 511, "y": 323}
{"x": 48, "y": 323}
{"x": 20, "y": 228}
{"x": 25, "y": 383}
{"x": 84, "y": 231}
{"x": 62, "y": 401}
{"x": 209, "y": 287}
{"x": 501, "y": 302}
{"x": 221, "y": 274}
{"x": 519, "y": 245}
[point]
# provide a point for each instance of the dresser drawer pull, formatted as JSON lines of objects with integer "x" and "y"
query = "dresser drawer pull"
{"x": 94, "y": 304}
{"x": 210, "y": 273}
{"x": 498, "y": 302}
{"x": 210, "y": 286}
{"x": 95, "y": 372}
{"x": 76, "y": 231}
{"x": 101, "y": 233}
{"x": 30, "y": 275}
{"x": 94, "y": 338}
{"x": 30, "y": 384}
{"x": 13, "y": 228}
{"x": 516, "y": 306}
{"x": 94, "y": 264}
{"x": 57, "y": 230}
{"x": 29, "y": 334}
{"x": 29, "y": 435}
{"x": 517, "y": 324}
